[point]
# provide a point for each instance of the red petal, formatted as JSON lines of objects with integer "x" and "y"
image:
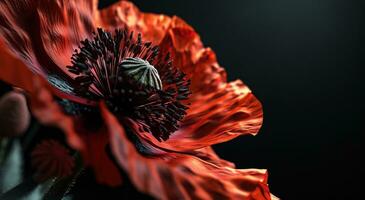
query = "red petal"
{"x": 182, "y": 176}
{"x": 16, "y": 73}
{"x": 189, "y": 54}
{"x": 63, "y": 25}
{"x": 13, "y": 71}
{"x": 208, "y": 154}
{"x": 207, "y": 74}
{"x": 13, "y": 31}
{"x": 48, "y": 112}
{"x": 96, "y": 156}
{"x": 91, "y": 144}
{"x": 183, "y": 36}
{"x": 220, "y": 116}
{"x": 56, "y": 28}
{"x": 213, "y": 118}
{"x": 126, "y": 15}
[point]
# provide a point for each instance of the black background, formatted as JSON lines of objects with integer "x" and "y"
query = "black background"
{"x": 303, "y": 59}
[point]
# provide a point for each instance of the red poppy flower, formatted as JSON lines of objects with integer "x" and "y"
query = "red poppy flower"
{"x": 142, "y": 83}
{"x": 51, "y": 159}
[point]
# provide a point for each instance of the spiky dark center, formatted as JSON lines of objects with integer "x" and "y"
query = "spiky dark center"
{"x": 134, "y": 78}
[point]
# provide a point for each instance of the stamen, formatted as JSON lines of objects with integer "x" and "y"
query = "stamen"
{"x": 134, "y": 78}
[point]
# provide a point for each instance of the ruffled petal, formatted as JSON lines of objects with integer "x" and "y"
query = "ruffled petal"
{"x": 213, "y": 118}
{"x": 220, "y": 116}
{"x": 181, "y": 37}
{"x": 15, "y": 34}
{"x": 91, "y": 144}
{"x": 124, "y": 14}
{"x": 182, "y": 176}
{"x": 63, "y": 24}
{"x": 189, "y": 54}
{"x": 208, "y": 75}
{"x": 48, "y": 112}
{"x": 46, "y": 46}
{"x": 56, "y": 28}
{"x": 16, "y": 73}
{"x": 96, "y": 156}
{"x": 13, "y": 71}
{"x": 209, "y": 155}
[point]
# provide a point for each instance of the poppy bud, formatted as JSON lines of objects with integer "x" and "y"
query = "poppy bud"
{"x": 14, "y": 114}
{"x": 51, "y": 159}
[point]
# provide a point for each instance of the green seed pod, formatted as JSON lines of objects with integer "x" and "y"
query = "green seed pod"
{"x": 142, "y": 72}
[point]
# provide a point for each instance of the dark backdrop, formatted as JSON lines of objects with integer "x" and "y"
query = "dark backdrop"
{"x": 303, "y": 59}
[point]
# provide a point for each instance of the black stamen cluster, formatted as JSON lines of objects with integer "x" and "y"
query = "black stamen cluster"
{"x": 134, "y": 78}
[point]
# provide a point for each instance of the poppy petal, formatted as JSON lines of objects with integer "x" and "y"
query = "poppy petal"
{"x": 13, "y": 71}
{"x": 208, "y": 154}
{"x": 63, "y": 25}
{"x": 16, "y": 73}
{"x": 23, "y": 40}
{"x": 217, "y": 117}
{"x": 92, "y": 145}
{"x": 213, "y": 118}
{"x": 48, "y": 112}
{"x": 57, "y": 28}
{"x": 208, "y": 75}
{"x": 182, "y": 176}
{"x": 124, "y": 14}
{"x": 96, "y": 156}
{"x": 14, "y": 33}
{"x": 189, "y": 54}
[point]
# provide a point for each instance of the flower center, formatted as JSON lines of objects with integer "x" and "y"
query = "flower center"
{"x": 142, "y": 72}
{"x": 134, "y": 78}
